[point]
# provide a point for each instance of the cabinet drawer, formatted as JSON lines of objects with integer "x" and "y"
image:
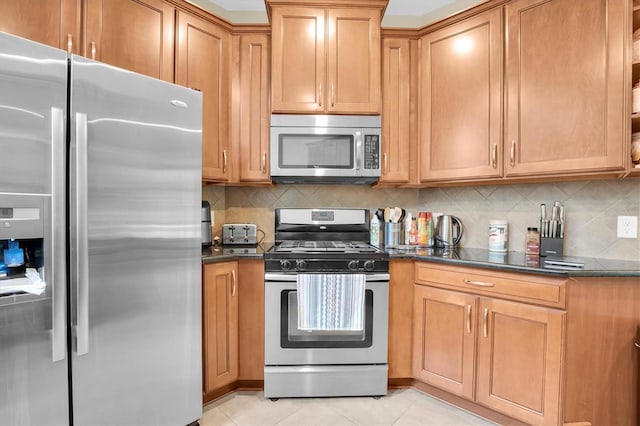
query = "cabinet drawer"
{"x": 530, "y": 288}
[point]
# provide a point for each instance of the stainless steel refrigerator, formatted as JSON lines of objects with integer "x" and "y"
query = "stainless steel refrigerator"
{"x": 100, "y": 186}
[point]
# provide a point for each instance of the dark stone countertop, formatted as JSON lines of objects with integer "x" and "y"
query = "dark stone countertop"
{"x": 481, "y": 258}
{"x": 514, "y": 261}
{"x": 215, "y": 254}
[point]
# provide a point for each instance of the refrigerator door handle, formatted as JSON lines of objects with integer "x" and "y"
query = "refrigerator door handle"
{"x": 58, "y": 239}
{"x": 82, "y": 237}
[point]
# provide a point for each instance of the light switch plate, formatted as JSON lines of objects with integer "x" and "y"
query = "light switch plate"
{"x": 627, "y": 226}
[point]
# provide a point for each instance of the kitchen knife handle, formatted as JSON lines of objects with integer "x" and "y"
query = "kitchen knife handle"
{"x": 478, "y": 283}
{"x": 93, "y": 50}
{"x": 485, "y": 320}
{"x": 320, "y": 94}
{"x": 233, "y": 284}
{"x": 264, "y": 162}
{"x": 512, "y": 153}
{"x": 468, "y": 319}
{"x": 58, "y": 239}
{"x": 224, "y": 161}
{"x": 70, "y": 43}
{"x": 82, "y": 236}
{"x": 494, "y": 156}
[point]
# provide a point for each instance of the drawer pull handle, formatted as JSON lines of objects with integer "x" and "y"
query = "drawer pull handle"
{"x": 637, "y": 344}
{"x": 494, "y": 156}
{"x": 233, "y": 284}
{"x": 478, "y": 283}
{"x": 320, "y": 95}
{"x": 468, "y": 319}
{"x": 485, "y": 320}
{"x": 264, "y": 162}
{"x": 512, "y": 153}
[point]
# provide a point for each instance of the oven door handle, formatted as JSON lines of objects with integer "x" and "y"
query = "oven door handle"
{"x": 280, "y": 277}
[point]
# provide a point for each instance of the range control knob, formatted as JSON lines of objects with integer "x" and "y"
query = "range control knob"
{"x": 301, "y": 265}
{"x": 369, "y": 265}
{"x": 353, "y": 265}
{"x": 285, "y": 264}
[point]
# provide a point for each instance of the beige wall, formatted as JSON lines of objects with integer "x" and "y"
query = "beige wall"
{"x": 591, "y": 209}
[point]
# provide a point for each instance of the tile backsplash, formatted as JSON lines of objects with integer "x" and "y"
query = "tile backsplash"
{"x": 591, "y": 209}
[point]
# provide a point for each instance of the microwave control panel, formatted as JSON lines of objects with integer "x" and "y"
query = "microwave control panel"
{"x": 371, "y": 152}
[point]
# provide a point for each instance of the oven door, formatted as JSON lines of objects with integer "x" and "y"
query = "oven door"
{"x": 285, "y": 344}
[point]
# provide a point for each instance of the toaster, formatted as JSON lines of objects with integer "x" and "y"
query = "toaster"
{"x": 239, "y": 234}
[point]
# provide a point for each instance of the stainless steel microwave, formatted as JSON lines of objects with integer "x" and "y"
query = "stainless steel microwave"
{"x": 325, "y": 148}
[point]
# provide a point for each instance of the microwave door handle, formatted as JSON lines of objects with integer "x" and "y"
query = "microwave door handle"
{"x": 358, "y": 150}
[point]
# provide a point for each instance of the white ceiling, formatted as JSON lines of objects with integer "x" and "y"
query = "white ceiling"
{"x": 399, "y": 13}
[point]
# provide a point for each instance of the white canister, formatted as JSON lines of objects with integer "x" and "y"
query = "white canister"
{"x": 498, "y": 235}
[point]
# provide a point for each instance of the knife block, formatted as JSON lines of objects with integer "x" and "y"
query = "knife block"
{"x": 551, "y": 247}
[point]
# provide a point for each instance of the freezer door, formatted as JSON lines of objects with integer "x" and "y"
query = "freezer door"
{"x": 33, "y": 363}
{"x": 135, "y": 191}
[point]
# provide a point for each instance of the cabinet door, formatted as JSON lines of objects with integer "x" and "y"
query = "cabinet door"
{"x": 461, "y": 100}
{"x": 395, "y": 110}
{"x": 444, "y": 339}
{"x": 52, "y": 22}
{"x": 520, "y": 351}
{"x": 353, "y": 61}
{"x": 565, "y": 88}
{"x": 400, "y": 317}
{"x": 254, "y": 117}
{"x": 298, "y": 59}
{"x": 136, "y": 35}
{"x": 203, "y": 60}
{"x": 251, "y": 319}
{"x": 220, "y": 325}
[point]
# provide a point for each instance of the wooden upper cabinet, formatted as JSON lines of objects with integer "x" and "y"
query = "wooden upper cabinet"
{"x": 396, "y": 61}
{"x": 136, "y": 35}
{"x": 325, "y": 60}
{"x": 462, "y": 100}
{"x": 254, "y": 120}
{"x": 202, "y": 62}
{"x": 565, "y": 86}
{"x": 353, "y": 61}
{"x": 520, "y": 352}
{"x": 297, "y": 60}
{"x": 220, "y": 324}
{"x": 52, "y": 22}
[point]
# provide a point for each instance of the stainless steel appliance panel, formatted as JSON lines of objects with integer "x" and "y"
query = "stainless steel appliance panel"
{"x": 135, "y": 235}
{"x": 33, "y": 367}
{"x": 33, "y": 80}
{"x": 275, "y": 354}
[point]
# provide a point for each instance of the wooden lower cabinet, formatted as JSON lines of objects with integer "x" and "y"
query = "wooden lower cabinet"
{"x": 504, "y": 355}
{"x": 251, "y": 321}
{"x": 400, "y": 319}
{"x": 520, "y": 349}
{"x": 444, "y": 339}
{"x": 220, "y": 325}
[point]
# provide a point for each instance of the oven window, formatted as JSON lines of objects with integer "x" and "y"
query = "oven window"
{"x": 292, "y": 337}
{"x": 315, "y": 151}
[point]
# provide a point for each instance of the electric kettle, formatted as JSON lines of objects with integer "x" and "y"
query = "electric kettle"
{"x": 448, "y": 231}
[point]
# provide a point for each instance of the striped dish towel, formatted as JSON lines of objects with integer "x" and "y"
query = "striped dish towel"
{"x": 331, "y": 301}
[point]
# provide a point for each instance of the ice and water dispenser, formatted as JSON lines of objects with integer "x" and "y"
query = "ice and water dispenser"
{"x": 22, "y": 244}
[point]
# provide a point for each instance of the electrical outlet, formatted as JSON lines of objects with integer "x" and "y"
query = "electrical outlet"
{"x": 627, "y": 226}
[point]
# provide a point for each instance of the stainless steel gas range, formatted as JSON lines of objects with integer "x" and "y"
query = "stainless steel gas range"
{"x": 326, "y": 306}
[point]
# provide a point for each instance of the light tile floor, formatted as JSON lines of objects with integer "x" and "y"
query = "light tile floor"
{"x": 398, "y": 407}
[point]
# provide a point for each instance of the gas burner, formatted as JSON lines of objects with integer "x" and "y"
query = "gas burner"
{"x": 300, "y": 246}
